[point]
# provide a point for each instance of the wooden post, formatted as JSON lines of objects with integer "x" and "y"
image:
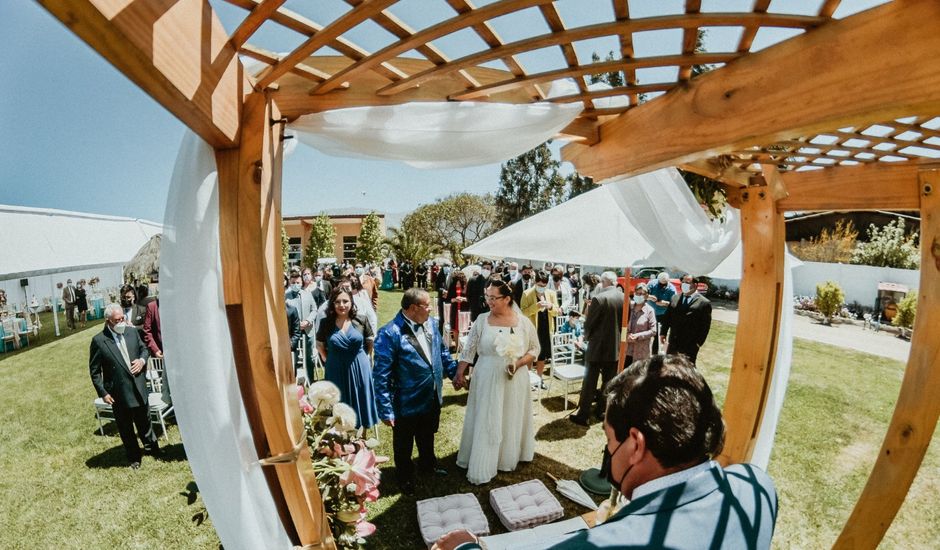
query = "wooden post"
{"x": 625, "y": 320}
{"x": 755, "y": 345}
{"x": 918, "y": 407}
{"x": 250, "y": 222}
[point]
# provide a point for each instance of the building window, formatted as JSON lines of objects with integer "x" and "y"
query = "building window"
{"x": 349, "y": 248}
{"x": 294, "y": 252}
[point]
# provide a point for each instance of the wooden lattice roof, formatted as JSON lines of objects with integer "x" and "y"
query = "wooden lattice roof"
{"x": 327, "y": 69}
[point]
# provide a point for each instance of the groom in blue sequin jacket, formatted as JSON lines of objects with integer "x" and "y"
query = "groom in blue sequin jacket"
{"x": 410, "y": 364}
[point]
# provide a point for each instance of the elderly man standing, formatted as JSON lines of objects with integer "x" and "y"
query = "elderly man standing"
{"x": 69, "y": 297}
{"x": 410, "y": 364}
{"x": 118, "y": 366}
{"x": 660, "y": 294}
{"x": 687, "y": 321}
{"x": 663, "y": 431}
{"x": 602, "y": 334}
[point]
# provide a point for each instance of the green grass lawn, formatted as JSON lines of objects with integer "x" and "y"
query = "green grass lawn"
{"x": 62, "y": 484}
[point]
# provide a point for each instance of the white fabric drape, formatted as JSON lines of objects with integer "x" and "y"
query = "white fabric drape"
{"x": 199, "y": 361}
{"x": 662, "y": 208}
{"x": 435, "y": 134}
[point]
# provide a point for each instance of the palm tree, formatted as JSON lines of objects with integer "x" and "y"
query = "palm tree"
{"x": 403, "y": 247}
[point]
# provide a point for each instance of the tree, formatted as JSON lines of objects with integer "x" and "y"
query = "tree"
{"x": 321, "y": 242}
{"x": 907, "y": 311}
{"x": 889, "y": 246}
{"x": 404, "y": 246}
{"x": 832, "y": 246}
{"x": 369, "y": 243}
{"x": 285, "y": 248}
{"x": 452, "y": 223}
{"x": 829, "y": 299}
{"x": 528, "y": 184}
{"x": 577, "y": 184}
{"x": 612, "y": 78}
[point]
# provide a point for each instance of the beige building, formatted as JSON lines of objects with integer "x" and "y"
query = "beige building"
{"x": 347, "y": 222}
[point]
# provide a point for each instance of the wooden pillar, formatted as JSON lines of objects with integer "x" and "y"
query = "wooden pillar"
{"x": 918, "y": 406}
{"x": 250, "y": 226}
{"x": 755, "y": 345}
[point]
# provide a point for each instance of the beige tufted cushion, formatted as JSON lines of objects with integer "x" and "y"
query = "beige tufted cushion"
{"x": 441, "y": 515}
{"x": 525, "y": 505}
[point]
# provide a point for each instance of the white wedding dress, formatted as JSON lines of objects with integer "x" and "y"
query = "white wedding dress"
{"x": 498, "y": 431}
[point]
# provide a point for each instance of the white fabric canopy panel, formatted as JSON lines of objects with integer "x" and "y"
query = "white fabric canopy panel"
{"x": 41, "y": 241}
{"x": 434, "y": 134}
{"x": 589, "y": 229}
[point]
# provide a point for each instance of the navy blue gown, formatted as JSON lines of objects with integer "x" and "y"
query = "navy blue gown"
{"x": 348, "y": 366}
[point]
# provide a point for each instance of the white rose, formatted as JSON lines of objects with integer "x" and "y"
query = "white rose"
{"x": 344, "y": 417}
{"x": 323, "y": 394}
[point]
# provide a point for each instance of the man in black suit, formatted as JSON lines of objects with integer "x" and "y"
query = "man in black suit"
{"x": 522, "y": 284}
{"x": 118, "y": 366}
{"x": 602, "y": 334}
{"x": 687, "y": 321}
{"x": 475, "y": 288}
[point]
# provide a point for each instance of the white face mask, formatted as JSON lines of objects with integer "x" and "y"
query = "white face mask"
{"x": 485, "y": 273}
{"x": 637, "y": 299}
{"x": 295, "y": 287}
{"x": 540, "y": 289}
{"x": 318, "y": 278}
{"x": 359, "y": 271}
{"x": 513, "y": 272}
{"x": 686, "y": 287}
{"x": 119, "y": 328}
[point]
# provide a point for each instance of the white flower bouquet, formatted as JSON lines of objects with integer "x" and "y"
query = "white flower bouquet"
{"x": 510, "y": 347}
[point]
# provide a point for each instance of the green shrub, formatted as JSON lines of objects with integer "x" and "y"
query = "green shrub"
{"x": 907, "y": 310}
{"x": 829, "y": 299}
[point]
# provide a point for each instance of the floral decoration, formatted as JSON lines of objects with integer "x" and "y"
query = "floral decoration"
{"x": 510, "y": 347}
{"x": 344, "y": 462}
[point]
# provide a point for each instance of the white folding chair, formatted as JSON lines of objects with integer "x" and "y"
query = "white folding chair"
{"x": 23, "y": 329}
{"x": 564, "y": 367}
{"x": 159, "y": 409}
{"x": 103, "y": 412}
{"x": 463, "y": 329}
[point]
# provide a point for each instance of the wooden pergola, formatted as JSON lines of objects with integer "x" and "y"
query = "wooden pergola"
{"x": 842, "y": 116}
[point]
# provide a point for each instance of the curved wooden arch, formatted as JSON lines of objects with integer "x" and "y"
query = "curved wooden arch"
{"x": 762, "y": 99}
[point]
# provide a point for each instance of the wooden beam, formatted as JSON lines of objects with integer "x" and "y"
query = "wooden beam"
{"x": 623, "y": 28}
{"x": 918, "y": 407}
{"x": 593, "y": 68}
{"x": 720, "y": 169}
{"x": 433, "y": 32}
{"x": 177, "y": 52}
{"x": 755, "y": 350}
{"x": 806, "y": 85}
{"x": 249, "y": 208}
{"x": 366, "y": 10}
{"x": 876, "y": 186}
{"x": 259, "y": 14}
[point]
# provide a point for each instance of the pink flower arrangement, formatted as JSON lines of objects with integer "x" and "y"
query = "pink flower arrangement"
{"x": 345, "y": 464}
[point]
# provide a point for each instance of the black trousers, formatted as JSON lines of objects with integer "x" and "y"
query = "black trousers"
{"x": 129, "y": 418}
{"x": 411, "y": 430}
{"x": 605, "y": 370}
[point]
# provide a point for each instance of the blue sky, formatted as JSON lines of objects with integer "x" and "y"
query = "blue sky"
{"x": 77, "y": 135}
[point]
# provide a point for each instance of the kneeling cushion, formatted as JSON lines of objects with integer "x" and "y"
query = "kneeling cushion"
{"x": 525, "y": 505}
{"x": 441, "y": 515}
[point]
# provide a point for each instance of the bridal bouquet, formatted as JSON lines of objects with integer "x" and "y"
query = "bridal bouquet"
{"x": 510, "y": 347}
{"x": 345, "y": 464}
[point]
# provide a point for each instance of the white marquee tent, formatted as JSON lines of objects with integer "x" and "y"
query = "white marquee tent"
{"x": 46, "y": 246}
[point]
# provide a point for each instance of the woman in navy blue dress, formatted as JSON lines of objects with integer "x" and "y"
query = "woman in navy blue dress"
{"x": 344, "y": 341}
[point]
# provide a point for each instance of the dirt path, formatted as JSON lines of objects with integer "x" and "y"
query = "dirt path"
{"x": 880, "y": 343}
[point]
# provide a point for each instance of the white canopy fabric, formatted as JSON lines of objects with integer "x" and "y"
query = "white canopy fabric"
{"x": 41, "y": 241}
{"x": 589, "y": 229}
{"x": 434, "y": 134}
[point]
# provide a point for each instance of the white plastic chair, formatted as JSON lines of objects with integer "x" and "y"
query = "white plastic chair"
{"x": 159, "y": 409}
{"x": 9, "y": 334}
{"x": 103, "y": 412}
{"x": 564, "y": 367}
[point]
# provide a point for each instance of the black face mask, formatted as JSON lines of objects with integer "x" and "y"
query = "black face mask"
{"x": 610, "y": 469}
{"x": 526, "y": 276}
{"x": 126, "y": 303}
{"x": 556, "y": 278}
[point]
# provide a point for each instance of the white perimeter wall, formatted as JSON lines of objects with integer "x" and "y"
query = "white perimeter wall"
{"x": 859, "y": 282}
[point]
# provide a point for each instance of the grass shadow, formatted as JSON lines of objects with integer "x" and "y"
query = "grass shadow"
{"x": 172, "y": 453}
{"x": 455, "y": 399}
{"x": 560, "y": 429}
{"x": 556, "y": 403}
{"x": 115, "y": 457}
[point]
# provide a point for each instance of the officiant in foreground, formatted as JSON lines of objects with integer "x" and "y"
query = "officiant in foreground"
{"x": 663, "y": 431}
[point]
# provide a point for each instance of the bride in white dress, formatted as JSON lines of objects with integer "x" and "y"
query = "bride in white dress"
{"x": 498, "y": 431}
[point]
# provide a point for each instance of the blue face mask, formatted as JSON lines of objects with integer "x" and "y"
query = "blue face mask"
{"x": 295, "y": 287}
